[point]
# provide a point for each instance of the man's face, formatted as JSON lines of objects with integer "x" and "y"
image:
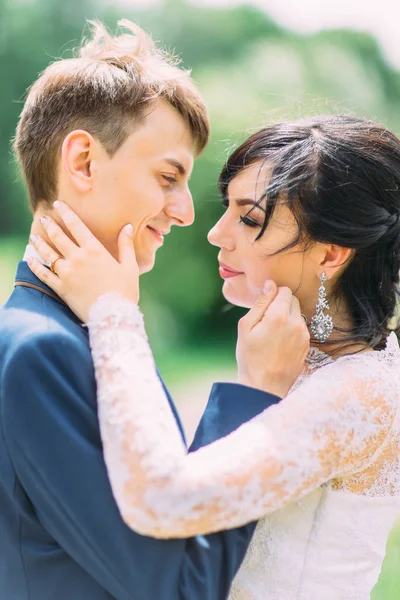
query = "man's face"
{"x": 145, "y": 183}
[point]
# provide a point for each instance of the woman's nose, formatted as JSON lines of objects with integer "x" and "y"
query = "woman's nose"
{"x": 219, "y": 236}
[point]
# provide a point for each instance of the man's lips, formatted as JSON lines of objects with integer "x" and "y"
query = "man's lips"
{"x": 227, "y": 272}
{"x": 159, "y": 233}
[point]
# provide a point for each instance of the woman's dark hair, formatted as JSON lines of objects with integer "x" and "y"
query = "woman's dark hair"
{"x": 340, "y": 176}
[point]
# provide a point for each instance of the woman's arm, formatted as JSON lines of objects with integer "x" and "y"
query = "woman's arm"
{"x": 330, "y": 426}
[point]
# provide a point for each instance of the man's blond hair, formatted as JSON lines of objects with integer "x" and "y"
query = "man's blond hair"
{"x": 107, "y": 90}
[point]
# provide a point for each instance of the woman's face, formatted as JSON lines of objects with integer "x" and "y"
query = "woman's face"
{"x": 245, "y": 264}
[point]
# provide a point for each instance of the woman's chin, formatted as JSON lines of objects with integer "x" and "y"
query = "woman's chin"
{"x": 233, "y": 296}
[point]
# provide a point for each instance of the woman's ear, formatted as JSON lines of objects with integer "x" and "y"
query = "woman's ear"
{"x": 335, "y": 260}
{"x": 76, "y": 157}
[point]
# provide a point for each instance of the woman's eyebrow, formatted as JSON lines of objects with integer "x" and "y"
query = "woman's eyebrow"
{"x": 249, "y": 202}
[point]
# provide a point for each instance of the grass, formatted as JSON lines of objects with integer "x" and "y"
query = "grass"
{"x": 388, "y": 586}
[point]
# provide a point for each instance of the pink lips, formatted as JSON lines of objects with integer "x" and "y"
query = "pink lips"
{"x": 227, "y": 272}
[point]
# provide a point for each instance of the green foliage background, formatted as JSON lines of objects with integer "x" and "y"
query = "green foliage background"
{"x": 250, "y": 72}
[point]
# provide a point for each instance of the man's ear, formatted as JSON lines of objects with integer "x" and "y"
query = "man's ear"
{"x": 335, "y": 260}
{"x": 76, "y": 157}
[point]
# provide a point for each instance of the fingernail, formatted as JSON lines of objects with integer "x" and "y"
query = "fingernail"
{"x": 44, "y": 220}
{"x": 57, "y": 204}
{"x": 29, "y": 260}
{"x": 129, "y": 230}
{"x": 33, "y": 238}
{"x": 267, "y": 287}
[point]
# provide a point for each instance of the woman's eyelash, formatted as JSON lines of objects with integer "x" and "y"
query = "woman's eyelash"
{"x": 245, "y": 220}
{"x": 249, "y": 222}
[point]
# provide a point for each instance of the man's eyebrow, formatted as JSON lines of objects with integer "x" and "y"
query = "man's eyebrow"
{"x": 248, "y": 201}
{"x": 177, "y": 164}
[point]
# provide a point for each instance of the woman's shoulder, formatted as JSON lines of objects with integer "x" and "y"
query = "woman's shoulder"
{"x": 376, "y": 372}
{"x": 388, "y": 356}
{"x": 378, "y": 365}
{"x": 367, "y": 385}
{"x": 367, "y": 381}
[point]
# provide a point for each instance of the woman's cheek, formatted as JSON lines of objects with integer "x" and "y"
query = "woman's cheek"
{"x": 256, "y": 279}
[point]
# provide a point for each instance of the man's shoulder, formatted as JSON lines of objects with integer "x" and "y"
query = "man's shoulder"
{"x": 44, "y": 362}
{"x": 38, "y": 330}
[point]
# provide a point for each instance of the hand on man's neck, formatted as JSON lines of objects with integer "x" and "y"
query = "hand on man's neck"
{"x": 38, "y": 229}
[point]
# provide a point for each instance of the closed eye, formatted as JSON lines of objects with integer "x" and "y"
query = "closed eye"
{"x": 169, "y": 178}
{"x": 246, "y": 220}
{"x": 249, "y": 222}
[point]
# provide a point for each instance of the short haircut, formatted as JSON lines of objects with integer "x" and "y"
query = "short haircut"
{"x": 107, "y": 90}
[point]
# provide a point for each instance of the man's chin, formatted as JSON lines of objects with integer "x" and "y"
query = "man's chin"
{"x": 146, "y": 265}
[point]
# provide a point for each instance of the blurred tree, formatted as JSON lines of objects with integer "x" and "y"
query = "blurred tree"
{"x": 32, "y": 34}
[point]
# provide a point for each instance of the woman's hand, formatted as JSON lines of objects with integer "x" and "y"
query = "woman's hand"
{"x": 84, "y": 270}
{"x": 273, "y": 342}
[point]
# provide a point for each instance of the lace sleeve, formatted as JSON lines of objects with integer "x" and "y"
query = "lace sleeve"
{"x": 329, "y": 426}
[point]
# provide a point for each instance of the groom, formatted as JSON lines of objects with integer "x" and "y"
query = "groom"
{"x": 114, "y": 133}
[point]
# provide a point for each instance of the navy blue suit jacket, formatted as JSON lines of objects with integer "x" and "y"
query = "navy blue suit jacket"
{"x": 61, "y": 535}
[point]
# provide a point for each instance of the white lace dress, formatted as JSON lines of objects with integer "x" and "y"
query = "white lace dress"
{"x": 320, "y": 470}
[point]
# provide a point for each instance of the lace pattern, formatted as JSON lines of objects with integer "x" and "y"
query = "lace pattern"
{"x": 328, "y": 430}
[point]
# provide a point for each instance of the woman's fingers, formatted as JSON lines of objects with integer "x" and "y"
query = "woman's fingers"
{"x": 75, "y": 226}
{"x": 64, "y": 245}
{"x": 295, "y": 306}
{"x": 279, "y": 308}
{"x": 44, "y": 274}
{"x": 126, "y": 251}
{"x": 295, "y": 313}
{"x": 271, "y": 353}
{"x": 256, "y": 313}
{"x": 48, "y": 253}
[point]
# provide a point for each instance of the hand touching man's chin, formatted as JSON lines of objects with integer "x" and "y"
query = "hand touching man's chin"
{"x": 146, "y": 244}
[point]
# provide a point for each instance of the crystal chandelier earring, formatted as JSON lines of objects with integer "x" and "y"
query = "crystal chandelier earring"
{"x": 322, "y": 325}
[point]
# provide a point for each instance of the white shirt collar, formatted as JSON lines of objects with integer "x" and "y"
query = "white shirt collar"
{"x": 31, "y": 252}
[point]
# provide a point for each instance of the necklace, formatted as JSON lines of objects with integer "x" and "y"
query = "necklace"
{"x": 317, "y": 356}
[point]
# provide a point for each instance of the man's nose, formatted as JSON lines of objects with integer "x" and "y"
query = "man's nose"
{"x": 181, "y": 209}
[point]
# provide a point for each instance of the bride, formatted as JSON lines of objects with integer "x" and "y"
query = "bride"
{"x": 313, "y": 206}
